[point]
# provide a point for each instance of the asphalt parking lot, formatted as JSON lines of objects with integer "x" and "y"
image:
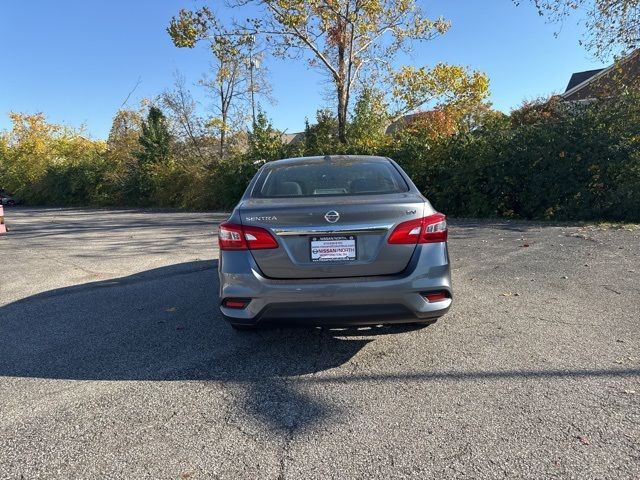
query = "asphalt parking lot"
{"x": 114, "y": 361}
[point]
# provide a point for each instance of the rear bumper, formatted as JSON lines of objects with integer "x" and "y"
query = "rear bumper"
{"x": 341, "y": 301}
{"x": 330, "y": 314}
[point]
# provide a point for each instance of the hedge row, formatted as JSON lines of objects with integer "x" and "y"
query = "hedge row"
{"x": 547, "y": 160}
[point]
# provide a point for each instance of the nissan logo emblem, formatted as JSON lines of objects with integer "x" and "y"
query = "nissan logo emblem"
{"x": 332, "y": 216}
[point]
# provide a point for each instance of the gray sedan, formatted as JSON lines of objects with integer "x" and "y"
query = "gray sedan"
{"x": 334, "y": 240}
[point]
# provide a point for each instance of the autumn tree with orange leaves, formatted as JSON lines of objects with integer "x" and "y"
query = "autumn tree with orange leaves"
{"x": 351, "y": 41}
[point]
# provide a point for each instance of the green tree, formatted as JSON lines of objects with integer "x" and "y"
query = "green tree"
{"x": 153, "y": 158}
{"x": 155, "y": 138}
{"x": 265, "y": 142}
{"x": 321, "y": 138}
{"x": 369, "y": 120}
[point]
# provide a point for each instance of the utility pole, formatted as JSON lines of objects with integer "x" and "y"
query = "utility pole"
{"x": 251, "y": 85}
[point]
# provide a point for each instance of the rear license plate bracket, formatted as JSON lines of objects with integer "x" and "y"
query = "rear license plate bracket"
{"x": 333, "y": 248}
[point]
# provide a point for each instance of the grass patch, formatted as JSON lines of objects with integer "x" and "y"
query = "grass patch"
{"x": 631, "y": 227}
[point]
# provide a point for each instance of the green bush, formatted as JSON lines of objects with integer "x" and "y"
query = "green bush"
{"x": 560, "y": 161}
{"x": 547, "y": 160}
{"x": 72, "y": 183}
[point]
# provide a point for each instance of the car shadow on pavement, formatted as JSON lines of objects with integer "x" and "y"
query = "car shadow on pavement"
{"x": 164, "y": 324}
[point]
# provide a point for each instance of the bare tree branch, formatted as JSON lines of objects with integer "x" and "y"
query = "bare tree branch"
{"x": 138, "y": 82}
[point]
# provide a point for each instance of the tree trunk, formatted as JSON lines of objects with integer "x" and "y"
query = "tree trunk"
{"x": 342, "y": 112}
{"x": 223, "y": 134}
{"x": 223, "y": 112}
{"x": 342, "y": 87}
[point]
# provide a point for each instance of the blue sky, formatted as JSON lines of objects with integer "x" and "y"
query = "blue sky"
{"x": 76, "y": 61}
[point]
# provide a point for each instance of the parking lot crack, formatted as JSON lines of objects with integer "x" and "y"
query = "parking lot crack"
{"x": 288, "y": 440}
{"x": 319, "y": 352}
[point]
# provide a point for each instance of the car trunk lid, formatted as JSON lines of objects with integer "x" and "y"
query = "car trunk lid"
{"x": 307, "y": 228}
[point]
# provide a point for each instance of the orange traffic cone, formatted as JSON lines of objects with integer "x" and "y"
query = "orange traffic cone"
{"x": 3, "y": 227}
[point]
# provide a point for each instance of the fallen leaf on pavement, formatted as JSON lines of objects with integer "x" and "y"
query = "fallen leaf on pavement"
{"x": 584, "y": 440}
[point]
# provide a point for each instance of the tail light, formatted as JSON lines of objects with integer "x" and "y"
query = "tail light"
{"x": 436, "y": 296}
{"x": 431, "y": 229}
{"x": 236, "y": 303}
{"x": 239, "y": 237}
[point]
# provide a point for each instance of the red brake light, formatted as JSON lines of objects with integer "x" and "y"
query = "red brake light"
{"x": 238, "y": 237}
{"x": 407, "y": 232}
{"x": 431, "y": 229}
{"x": 259, "y": 238}
{"x": 236, "y": 303}
{"x": 436, "y": 296}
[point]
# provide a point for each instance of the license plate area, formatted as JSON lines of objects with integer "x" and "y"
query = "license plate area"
{"x": 332, "y": 248}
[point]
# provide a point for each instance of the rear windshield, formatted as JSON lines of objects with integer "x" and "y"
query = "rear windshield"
{"x": 330, "y": 177}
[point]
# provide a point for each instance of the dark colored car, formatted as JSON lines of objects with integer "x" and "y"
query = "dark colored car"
{"x": 8, "y": 199}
